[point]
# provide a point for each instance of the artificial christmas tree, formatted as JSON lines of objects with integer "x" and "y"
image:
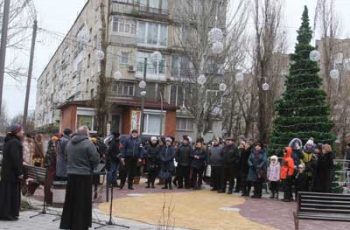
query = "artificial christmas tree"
{"x": 302, "y": 110}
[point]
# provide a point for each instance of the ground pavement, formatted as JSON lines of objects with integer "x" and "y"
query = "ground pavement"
{"x": 146, "y": 209}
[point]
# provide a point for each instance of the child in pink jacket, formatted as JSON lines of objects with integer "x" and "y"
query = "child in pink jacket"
{"x": 273, "y": 176}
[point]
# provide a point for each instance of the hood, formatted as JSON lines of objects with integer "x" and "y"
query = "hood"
{"x": 289, "y": 151}
{"x": 76, "y": 139}
{"x": 11, "y": 136}
{"x": 296, "y": 140}
{"x": 309, "y": 150}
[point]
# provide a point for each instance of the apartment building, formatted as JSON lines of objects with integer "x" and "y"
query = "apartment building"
{"x": 135, "y": 30}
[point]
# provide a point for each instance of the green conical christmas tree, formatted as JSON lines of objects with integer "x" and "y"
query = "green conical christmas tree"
{"x": 302, "y": 110}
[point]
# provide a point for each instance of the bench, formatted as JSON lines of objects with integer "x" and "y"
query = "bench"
{"x": 37, "y": 174}
{"x": 322, "y": 206}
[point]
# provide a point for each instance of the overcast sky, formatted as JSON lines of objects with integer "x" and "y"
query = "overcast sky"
{"x": 59, "y": 15}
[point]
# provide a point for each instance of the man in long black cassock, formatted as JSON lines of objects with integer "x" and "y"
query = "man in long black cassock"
{"x": 11, "y": 174}
{"x": 82, "y": 158}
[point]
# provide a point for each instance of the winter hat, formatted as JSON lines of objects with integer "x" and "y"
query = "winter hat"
{"x": 116, "y": 134}
{"x": 186, "y": 138}
{"x": 153, "y": 138}
{"x": 168, "y": 139}
{"x": 230, "y": 139}
{"x": 16, "y": 128}
{"x": 67, "y": 131}
{"x": 199, "y": 140}
{"x": 310, "y": 142}
{"x": 319, "y": 147}
{"x": 274, "y": 157}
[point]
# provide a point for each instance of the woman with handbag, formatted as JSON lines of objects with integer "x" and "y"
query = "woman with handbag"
{"x": 167, "y": 163}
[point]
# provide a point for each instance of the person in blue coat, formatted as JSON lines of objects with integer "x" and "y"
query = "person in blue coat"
{"x": 257, "y": 168}
{"x": 131, "y": 154}
{"x": 198, "y": 158}
{"x": 167, "y": 156}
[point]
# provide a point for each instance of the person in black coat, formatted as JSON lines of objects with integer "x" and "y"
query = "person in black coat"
{"x": 245, "y": 153}
{"x": 113, "y": 161}
{"x": 324, "y": 170}
{"x": 131, "y": 155}
{"x": 183, "y": 159}
{"x": 167, "y": 157}
{"x": 198, "y": 158}
{"x": 153, "y": 158}
{"x": 11, "y": 174}
{"x": 231, "y": 164}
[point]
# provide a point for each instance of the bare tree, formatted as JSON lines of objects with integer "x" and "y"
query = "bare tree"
{"x": 19, "y": 34}
{"x": 268, "y": 49}
{"x": 194, "y": 20}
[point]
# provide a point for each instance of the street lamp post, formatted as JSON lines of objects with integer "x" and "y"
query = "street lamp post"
{"x": 143, "y": 94}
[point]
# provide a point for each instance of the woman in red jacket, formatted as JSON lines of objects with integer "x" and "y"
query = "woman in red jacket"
{"x": 287, "y": 171}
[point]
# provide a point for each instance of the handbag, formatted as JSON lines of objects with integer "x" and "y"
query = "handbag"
{"x": 208, "y": 171}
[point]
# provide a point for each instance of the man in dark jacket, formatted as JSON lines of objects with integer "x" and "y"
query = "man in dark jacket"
{"x": 82, "y": 158}
{"x": 216, "y": 162}
{"x": 183, "y": 159}
{"x": 231, "y": 164}
{"x": 11, "y": 175}
{"x": 131, "y": 153}
{"x": 61, "y": 165}
{"x": 113, "y": 160}
{"x": 152, "y": 155}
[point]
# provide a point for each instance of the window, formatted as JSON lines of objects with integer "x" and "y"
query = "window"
{"x": 123, "y": 26}
{"x": 184, "y": 124}
{"x": 92, "y": 93}
{"x": 152, "y": 67}
{"x": 153, "y": 34}
{"x": 78, "y": 62}
{"x": 65, "y": 55}
{"x": 180, "y": 67}
{"x": 125, "y": 89}
{"x": 154, "y": 6}
{"x": 124, "y": 58}
{"x": 127, "y": 1}
{"x": 87, "y": 121}
{"x": 214, "y": 97}
{"x": 185, "y": 35}
{"x": 151, "y": 123}
{"x": 177, "y": 95}
{"x": 97, "y": 14}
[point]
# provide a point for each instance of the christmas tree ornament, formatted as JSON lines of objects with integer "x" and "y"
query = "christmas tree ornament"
{"x": 100, "y": 55}
{"x": 222, "y": 87}
{"x": 142, "y": 84}
{"x": 265, "y": 86}
{"x": 315, "y": 55}
{"x": 117, "y": 75}
{"x": 215, "y": 35}
{"x": 156, "y": 56}
{"x": 201, "y": 79}
{"x": 334, "y": 73}
{"x": 239, "y": 77}
{"x": 217, "y": 48}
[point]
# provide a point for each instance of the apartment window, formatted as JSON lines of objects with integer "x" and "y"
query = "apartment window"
{"x": 97, "y": 14}
{"x": 152, "y": 67}
{"x": 184, "y": 124}
{"x": 65, "y": 55}
{"x": 151, "y": 124}
{"x": 125, "y": 89}
{"x": 89, "y": 59}
{"x": 214, "y": 97}
{"x": 154, "y": 6}
{"x": 180, "y": 66}
{"x": 124, "y": 58}
{"x": 92, "y": 93}
{"x": 123, "y": 26}
{"x": 152, "y": 34}
{"x": 176, "y": 95}
{"x": 127, "y": 1}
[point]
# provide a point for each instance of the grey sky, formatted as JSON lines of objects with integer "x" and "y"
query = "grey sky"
{"x": 59, "y": 15}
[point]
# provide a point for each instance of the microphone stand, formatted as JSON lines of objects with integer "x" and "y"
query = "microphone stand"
{"x": 110, "y": 222}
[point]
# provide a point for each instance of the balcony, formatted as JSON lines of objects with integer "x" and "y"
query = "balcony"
{"x": 145, "y": 10}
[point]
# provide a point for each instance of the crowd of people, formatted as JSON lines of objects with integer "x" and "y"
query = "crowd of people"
{"x": 230, "y": 166}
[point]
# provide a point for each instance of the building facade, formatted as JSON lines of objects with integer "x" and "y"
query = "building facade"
{"x": 135, "y": 29}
